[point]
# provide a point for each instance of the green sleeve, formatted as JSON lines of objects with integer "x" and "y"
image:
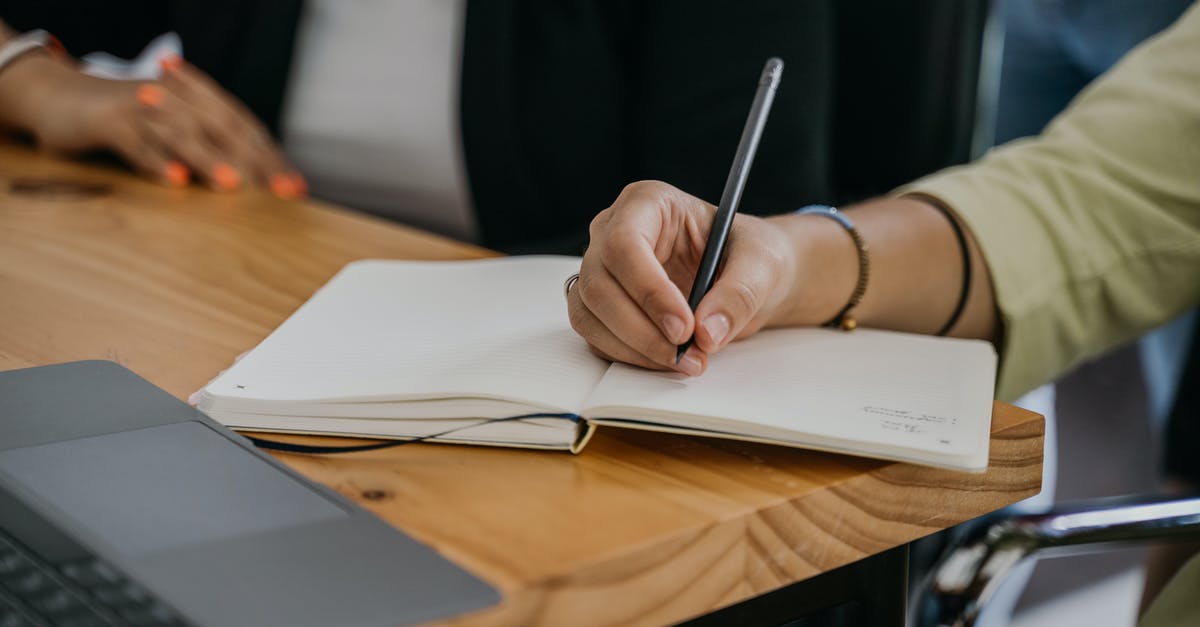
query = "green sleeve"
{"x": 1177, "y": 604}
{"x": 1091, "y": 231}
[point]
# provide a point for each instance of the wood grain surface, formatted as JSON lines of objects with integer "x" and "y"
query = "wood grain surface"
{"x": 642, "y": 528}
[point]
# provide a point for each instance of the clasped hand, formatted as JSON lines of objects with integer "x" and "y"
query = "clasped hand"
{"x": 181, "y": 126}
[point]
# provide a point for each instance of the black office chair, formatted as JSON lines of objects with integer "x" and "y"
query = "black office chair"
{"x": 964, "y": 579}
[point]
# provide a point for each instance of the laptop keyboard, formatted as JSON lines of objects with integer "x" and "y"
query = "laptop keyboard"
{"x": 88, "y": 592}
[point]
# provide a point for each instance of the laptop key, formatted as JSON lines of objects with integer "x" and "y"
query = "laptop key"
{"x": 92, "y": 572}
{"x": 56, "y": 603}
{"x": 75, "y": 592}
{"x": 88, "y": 619}
{"x": 13, "y": 563}
{"x": 136, "y": 594}
{"x": 110, "y": 596}
{"x": 29, "y": 583}
{"x": 12, "y": 616}
{"x": 13, "y": 619}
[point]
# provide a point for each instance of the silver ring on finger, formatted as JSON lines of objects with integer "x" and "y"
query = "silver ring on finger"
{"x": 569, "y": 283}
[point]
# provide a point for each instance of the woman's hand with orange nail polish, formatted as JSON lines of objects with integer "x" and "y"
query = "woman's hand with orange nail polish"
{"x": 151, "y": 95}
{"x": 182, "y": 127}
{"x": 68, "y": 112}
{"x": 246, "y": 153}
{"x": 176, "y": 174}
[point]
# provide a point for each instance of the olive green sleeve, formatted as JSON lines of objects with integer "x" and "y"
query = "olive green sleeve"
{"x": 1091, "y": 231}
{"x": 1177, "y": 603}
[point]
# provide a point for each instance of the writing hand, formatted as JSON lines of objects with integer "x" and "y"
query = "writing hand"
{"x": 630, "y": 303}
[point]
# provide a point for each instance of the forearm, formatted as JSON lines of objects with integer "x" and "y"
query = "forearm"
{"x": 1092, "y": 229}
{"x": 915, "y": 278}
{"x": 24, "y": 88}
{"x": 6, "y": 33}
{"x": 24, "y": 84}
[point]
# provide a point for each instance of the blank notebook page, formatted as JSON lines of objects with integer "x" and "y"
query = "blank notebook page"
{"x": 402, "y": 330}
{"x": 894, "y": 389}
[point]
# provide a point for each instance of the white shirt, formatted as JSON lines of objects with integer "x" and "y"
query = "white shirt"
{"x": 371, "y": 116}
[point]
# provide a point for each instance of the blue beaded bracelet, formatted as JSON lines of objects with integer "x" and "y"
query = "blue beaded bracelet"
{"x": 844, "y": 319}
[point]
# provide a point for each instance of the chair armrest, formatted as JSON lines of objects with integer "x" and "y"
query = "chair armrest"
{"x": 967, "y": 575}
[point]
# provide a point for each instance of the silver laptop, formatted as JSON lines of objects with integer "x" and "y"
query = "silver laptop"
{"x": 120, "y": 505}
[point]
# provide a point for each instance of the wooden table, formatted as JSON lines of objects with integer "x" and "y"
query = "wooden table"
{"x": 642, "y": 528}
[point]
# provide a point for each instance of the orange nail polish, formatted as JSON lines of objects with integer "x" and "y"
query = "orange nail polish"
{"x": 170, "y": 62}
{"x": 176, "y": 174}
{"x": 300, "y": 184}
{"x": 226, "y": 177}
{"x": 283, "y": 186}
{"x": 151, "y": 95}
{"x": 56, "y": 48}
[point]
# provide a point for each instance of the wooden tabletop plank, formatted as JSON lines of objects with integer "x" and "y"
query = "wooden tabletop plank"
{"x": 642, "y": 528}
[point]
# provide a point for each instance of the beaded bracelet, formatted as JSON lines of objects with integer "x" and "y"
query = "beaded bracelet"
{"x": 844, "y": 319}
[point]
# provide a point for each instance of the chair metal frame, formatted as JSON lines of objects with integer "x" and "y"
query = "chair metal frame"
{"x": 967, "y": 575}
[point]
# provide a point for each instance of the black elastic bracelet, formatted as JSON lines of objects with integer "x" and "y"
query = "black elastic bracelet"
{"x": 966, "y": 258}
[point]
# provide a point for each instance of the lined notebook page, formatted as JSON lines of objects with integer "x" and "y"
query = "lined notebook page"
{"x": 893, "y": 389}
{"x": 401, "y": 330}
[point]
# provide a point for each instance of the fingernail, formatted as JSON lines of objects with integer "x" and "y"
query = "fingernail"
{"x": 150, "y": 95}
{"x": 283, "y": 186}
{"x": 673, "y": 327}
{"x": 226, "y": 177}
{"x": 300, "y": 185}
{"x": 176, "y": 174}
{"x": 689, "y": 365}
{"x": 56, "y": 47}
{"x": 717, "y": 326}
{"x": 170, "y": 62}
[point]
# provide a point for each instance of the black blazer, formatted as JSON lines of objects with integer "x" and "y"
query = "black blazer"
{"x": 563, "y": 101}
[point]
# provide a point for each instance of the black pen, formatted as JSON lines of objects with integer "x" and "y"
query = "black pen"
{"x": 734, "y": 185}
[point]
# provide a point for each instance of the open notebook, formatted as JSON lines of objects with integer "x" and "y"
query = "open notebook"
{"x": 403, "y": 349}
